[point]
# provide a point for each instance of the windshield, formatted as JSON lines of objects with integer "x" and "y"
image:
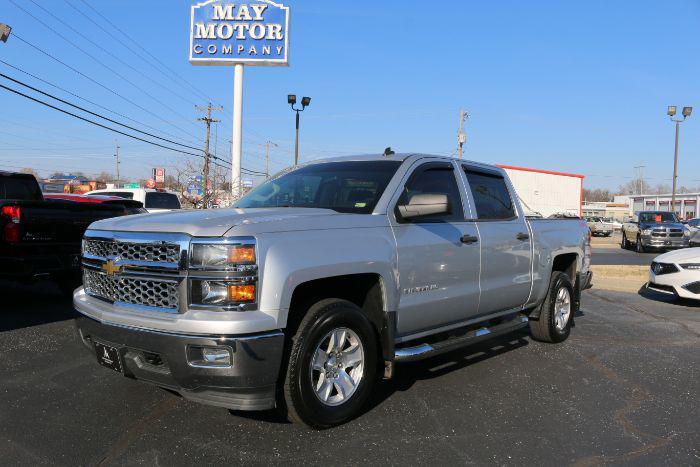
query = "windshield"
{"x": 353, "y": 187}
{"x": 160, "y": 200}
{"x": 657, "y": 217}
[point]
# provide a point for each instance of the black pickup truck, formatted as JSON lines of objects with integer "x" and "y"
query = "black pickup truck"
{"x": 40, "y": 239}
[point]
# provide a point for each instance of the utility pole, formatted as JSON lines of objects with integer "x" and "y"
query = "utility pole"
{"x": 267, "y": 157}
{"x": 461, "y": 136}
{"x": 639, "y": 178}
{"x": 208, "y": 121}
{"x": 116, "y": 154}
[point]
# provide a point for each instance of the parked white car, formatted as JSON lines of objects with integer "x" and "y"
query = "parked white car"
{"x": 676, "y": 273}
{"x": 616, "y": 225}
{"x": 154, "y": 200}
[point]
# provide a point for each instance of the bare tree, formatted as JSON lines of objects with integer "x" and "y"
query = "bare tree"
{"x": 28, "y": 170}
{"x": 185, "y": 177}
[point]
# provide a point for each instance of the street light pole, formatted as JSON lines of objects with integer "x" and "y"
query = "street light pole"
{"x": 685, "y": 113}
{"x": 675, "y": 168}
{"x": 305, "y": 102}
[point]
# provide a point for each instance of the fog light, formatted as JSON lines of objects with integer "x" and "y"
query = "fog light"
{"x": 209, "y": 356}
{"x": 241, "y": 293}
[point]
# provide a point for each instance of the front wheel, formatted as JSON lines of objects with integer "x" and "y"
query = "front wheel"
{"x": 554, "y": 323}
{"x": 625, "y": 244}
{"x": 639, "y": 248}
{"x": 332, "y": 365}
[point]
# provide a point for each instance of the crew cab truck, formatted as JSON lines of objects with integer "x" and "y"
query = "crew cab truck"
{"x": 318, "y": 281}
{"x": 40, "y": 238}
{"x": 654, "y": 230}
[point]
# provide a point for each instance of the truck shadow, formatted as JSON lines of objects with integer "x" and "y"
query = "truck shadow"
{"x": 407, "y": 374}
{"x": 32, "y": 305}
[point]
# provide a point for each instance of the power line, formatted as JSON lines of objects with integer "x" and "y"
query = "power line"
{"x": 98, "y": 83}
{"x": 93, "y": 113}
{"x": 124, "y": 78}
{"x": 53, "y": 85}
{"x": 124, "y": 34}
{"x": 96, "y": 123}
{"x": 98, "y": 46}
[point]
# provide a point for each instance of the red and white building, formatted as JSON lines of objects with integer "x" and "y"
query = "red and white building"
{"x": 547, "y": 192}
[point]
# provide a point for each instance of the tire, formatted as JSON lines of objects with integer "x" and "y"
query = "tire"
{"x": 625, "y": 244}
{"x": 552, "y": 326}
{"x": 638, "y": 247}
{"x": 323, "y": 325}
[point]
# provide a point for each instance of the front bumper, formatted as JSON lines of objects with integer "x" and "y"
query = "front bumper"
{"x": 684, "y": 283}
{"x": 664, "y": 242}
{"x": 160, "y": 358}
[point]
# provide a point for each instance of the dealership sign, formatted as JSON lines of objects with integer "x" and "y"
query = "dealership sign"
{"x": 225, "y": 33}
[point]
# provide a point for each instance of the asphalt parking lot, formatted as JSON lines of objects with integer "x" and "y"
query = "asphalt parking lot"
{"x": 622, "y": 390}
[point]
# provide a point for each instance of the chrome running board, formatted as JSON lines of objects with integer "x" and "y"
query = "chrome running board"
{"x": 419, "y": 352}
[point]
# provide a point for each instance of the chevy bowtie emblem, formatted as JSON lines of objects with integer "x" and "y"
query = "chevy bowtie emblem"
{"x": 110, "y": 268}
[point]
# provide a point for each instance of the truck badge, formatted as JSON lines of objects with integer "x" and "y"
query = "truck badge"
{"x": 110, "y": 268}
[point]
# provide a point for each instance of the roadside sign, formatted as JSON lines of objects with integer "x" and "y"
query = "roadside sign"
{"x": 132, "y": 185}
{"x": 159, "y": 175}
{"x": 228, "y": 33}
{"x": 150, "y": 183}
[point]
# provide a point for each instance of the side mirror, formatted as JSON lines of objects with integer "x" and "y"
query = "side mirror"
{"x": 425, "y": 204}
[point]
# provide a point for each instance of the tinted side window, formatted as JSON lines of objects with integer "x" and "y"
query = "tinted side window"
{"x": 158, "y": 200}
{"x": 434, "y": 180}
{"x": 491, "y": 196}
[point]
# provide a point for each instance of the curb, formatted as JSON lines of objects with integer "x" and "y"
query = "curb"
{"x": 619, "y": 278}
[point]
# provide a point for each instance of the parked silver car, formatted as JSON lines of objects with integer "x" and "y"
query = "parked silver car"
{"x": 654, "y": 229}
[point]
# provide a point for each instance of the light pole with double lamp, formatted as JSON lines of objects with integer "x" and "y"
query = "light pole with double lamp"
{"x": 305, "y": 101}
{"x": 671, "y": 112}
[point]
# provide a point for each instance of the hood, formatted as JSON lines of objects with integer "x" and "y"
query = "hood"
{"x": 686, "y": 255}
{"x": 216, "y": 222}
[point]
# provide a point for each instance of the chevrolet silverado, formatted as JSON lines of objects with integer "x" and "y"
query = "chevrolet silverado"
{"x": 309, "y": 290}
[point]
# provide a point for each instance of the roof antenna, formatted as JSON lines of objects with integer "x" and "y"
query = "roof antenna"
{"x": 388, "y": 152}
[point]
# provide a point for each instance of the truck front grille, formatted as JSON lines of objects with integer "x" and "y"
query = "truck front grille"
{"x": 134, "y": 291}
{"x": 152, "y": 252}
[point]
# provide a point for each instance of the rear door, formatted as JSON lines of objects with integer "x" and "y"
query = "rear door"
{"x": 506, "y": 253}
{"x": 438, "y": 272}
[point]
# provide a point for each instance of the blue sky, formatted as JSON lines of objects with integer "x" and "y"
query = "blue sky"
{"x": 571, "y": 86}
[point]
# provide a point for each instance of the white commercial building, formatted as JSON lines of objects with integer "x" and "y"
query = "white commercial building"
{"x": 547, "y": 192}
{"x": 686, "y": 203}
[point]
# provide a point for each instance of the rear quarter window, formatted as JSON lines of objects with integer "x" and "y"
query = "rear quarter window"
{"x": 22, "y": 188}
{"x": 158, "y": 200}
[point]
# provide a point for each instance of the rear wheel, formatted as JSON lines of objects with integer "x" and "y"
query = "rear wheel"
{"x": 556, "y": 315}
{"x": 332, "y": 365}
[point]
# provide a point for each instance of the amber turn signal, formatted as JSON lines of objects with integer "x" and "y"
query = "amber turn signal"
{"x": 241, "y": 254}
{"x": 241, "y": 293}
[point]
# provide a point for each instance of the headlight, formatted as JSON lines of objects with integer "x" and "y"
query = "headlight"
{"x": 695, "y": 266}
{"x": 221, "y": 257}
{"x": 686, "y": 232}
{"x": 646, "y": 232}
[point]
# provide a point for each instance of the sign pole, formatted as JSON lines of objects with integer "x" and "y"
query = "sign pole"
{"x": 237, "y": 135}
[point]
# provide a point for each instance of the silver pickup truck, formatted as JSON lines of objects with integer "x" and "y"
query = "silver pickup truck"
{"x": 317, "y": 282}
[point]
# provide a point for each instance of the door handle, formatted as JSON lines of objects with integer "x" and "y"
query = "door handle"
{"x": 522, "y": 236}
{"x": 468, "y": 239}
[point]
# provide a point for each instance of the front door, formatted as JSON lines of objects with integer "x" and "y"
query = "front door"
{"x": 506, "y": 256}
{"x": 438, "y": 271}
